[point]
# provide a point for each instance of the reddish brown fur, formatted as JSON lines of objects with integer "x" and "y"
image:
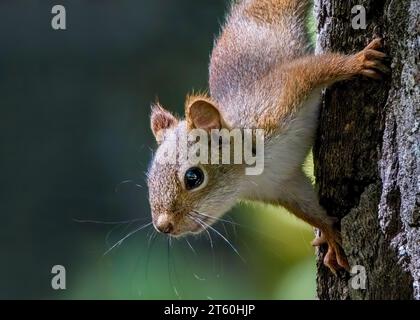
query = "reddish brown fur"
{"x": 270, "y": 11}
{"x": 302, "y": 76}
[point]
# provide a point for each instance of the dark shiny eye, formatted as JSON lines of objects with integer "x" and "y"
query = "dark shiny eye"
{"x": 194, "y": 177}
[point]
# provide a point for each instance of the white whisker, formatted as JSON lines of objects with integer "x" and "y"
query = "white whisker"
{"x": 216, "y": 219}
{"x": 225, "y": 239}
{"x": 191, "y": 247}
{"x": 204, "y": 228}
{"x": 108, "y": 222}
{"x": 117, "y": 244}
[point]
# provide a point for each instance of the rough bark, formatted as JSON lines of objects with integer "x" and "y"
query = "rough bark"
{"x": 367, "y": 152}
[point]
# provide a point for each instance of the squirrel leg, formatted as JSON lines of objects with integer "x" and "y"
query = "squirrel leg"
{"x": 300, "y": 198}
{"x": 308, "y": 73}
{"x": 300, "y": 77}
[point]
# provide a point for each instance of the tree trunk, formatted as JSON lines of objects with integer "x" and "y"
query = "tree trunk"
{"x": 367, "y": 153}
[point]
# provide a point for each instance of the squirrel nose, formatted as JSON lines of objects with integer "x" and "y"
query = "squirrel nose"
{"x": 165, "y": 227}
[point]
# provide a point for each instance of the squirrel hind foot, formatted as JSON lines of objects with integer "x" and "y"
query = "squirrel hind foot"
{"x": 334, "y": 259}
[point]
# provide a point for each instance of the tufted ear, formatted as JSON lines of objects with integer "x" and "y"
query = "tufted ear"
{"x": 202, "y": 113}
{"x": 160, "y": 120}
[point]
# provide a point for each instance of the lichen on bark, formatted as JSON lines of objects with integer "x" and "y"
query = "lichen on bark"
{"x": 367, "y": 152}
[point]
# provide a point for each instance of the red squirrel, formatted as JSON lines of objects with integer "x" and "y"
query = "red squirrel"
{"x": 263, "y": 74}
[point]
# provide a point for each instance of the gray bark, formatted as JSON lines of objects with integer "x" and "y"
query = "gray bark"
{"x": 367, "y": 152}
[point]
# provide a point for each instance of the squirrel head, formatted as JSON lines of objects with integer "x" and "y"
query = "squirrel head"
{"x": 186, "y": 197}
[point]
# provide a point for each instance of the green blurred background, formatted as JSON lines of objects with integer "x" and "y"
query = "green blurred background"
{"x": 74, "y": 124}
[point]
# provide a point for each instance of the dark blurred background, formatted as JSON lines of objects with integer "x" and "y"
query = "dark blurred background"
{"x": 74, "y": 124}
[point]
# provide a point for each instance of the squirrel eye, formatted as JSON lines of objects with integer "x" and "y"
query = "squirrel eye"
{"x": 194, "y": 177}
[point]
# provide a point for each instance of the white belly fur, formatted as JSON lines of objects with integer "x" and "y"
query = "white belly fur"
{"x": 285, "y": 153}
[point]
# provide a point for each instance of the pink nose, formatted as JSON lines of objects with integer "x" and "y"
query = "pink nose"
{"x": 165, "y": 227}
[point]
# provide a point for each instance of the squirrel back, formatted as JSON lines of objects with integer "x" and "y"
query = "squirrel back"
{"x": 257, "y": 36}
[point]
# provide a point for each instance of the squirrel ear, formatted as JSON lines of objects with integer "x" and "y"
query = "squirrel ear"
{"x": 160, "y": 120}
{"x": 201, "y": 113}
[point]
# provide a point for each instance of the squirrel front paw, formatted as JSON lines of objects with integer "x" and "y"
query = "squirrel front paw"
{"x": 371, "y": 62}
{"x": 335, "y": 258}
